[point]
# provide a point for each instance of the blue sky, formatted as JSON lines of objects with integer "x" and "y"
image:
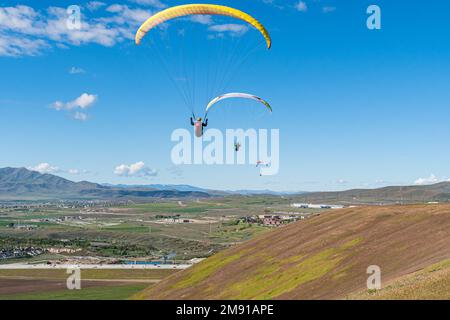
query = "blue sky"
{"x": 355, "y": 107}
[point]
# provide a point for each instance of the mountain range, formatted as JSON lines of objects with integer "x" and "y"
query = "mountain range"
{"x": 187, "y": 187}
{"x": 24, "y": 184}
{"x": 174, "y": 187}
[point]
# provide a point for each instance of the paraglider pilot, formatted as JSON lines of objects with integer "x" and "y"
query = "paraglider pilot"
{"x": 198, "y": 126}
{"x": 237, "y": 146}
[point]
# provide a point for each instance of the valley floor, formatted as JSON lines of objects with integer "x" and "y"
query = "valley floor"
{"x": 46, "y": 284}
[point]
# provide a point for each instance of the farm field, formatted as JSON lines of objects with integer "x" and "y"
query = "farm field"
{"x": 169, "y": 231}
{"x": 185, "y": 229}
{"x": 95, "y": 284}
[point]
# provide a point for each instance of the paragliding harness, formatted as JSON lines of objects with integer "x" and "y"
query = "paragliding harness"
{"x": 198, "y": 125}
{"x": 237, "y": 145}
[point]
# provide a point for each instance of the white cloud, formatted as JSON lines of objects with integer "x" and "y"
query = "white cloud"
{"x": 44, "y": 168}
{"x": 17, "y": 18}
{"x": 20, "y": 19}
{"x": 77, "y": 106}
{"x": 202, "y": 19}
{"x": 301, "y": 6}
{"x": 48, "y": 168}
{"x": 14, "y": 47}
{"x": 234, "y": 29}
{"x": 138, "y": 169}
{"x": 328, "y": 9}
{"x": 125, "y": 15}
{"x": 92, "y": 31}
{"x": 83, "y": 101}
{"x": 430, "y": 180}
{"x": 81, "y": 116}
{"x": 95, "y": 5}
{"x": 76, "y": 70}
{"x": 26, "y": 31}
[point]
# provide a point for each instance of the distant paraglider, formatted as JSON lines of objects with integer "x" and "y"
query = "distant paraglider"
{"x": 262, "y": 164}
{"x": 237, "y": 146}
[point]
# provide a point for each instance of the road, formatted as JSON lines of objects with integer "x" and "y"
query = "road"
{"x": 16, "y": 266}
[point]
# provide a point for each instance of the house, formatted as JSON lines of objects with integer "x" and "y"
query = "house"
{"x": 271, "y": 221}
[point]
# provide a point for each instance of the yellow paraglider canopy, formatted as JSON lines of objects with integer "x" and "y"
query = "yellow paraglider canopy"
{"x": 199, "y": 9}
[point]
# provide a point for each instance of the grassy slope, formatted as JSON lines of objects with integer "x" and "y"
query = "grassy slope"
{"x": 324, "y": 257}
{"x": 430, "y": 283}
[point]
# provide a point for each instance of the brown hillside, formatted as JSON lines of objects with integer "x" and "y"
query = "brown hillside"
{"x": 325, "y": 257}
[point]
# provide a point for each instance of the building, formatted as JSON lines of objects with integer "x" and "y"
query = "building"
{"x": 272, "y": 221}
{"x": 63, "y": 250}
{"x": 316, "y": 206}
